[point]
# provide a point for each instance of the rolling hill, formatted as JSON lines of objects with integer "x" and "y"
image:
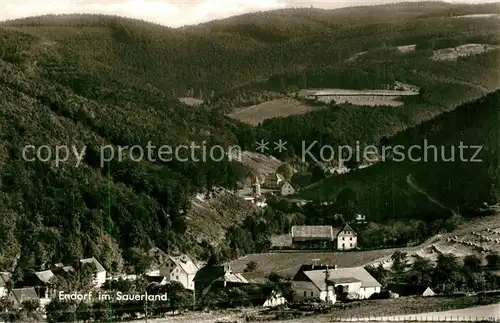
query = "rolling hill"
{"x": 446, "y": 180}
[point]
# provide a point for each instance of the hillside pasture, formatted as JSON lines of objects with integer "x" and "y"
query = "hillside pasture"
{"x": 363, "y": 100}
{"x": 255, "y": 114}
{"x": 453, "y": 53}
{"x": 287, "y": 263}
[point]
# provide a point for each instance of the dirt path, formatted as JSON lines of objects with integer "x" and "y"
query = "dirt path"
{"x": 415, "y": 186}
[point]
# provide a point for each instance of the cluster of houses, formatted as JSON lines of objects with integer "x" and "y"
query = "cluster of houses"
{"x": 37, "y": 285}
{"x": 273, "y": 184}
{"x": 327, "y": 283}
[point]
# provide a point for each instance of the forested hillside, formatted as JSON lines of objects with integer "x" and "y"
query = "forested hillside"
{"x": 94, "y": 80}
{"x": 59, "y": 213}
{"x": 458, "y": 181}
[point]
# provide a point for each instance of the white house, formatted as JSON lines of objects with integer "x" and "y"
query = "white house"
{"x": 4, "y": 280}
{"x": 287, "y": 189}
{"x": 181, "y": 269}
{"x": 99, "y": 274}
{"x": 347, "y": 238}
{"x": 356, "y": 280}
{"x": 275, "y": 299}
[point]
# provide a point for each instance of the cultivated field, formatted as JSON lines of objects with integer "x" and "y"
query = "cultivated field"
{"x": 255, "y": 114}
{"x": 363, "y": 100}
{"x": 451, "y": 54}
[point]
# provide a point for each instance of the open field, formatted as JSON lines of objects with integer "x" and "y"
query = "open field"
{"x": 287, "y": 263}
{"x": 191, "y": 101}
{"x": 260, "y": 163}
{"x": 358, "y": 97}
{"x": 363, "y": 100}
{"x": 451, "y": 54}
{"x": 255, "y": 114}
{"x": 484, "y": 15}
{"x": 349, "y": 92}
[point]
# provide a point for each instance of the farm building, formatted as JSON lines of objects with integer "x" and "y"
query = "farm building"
{"x": 411, "y": 290}
{"x": 274, "y": 181}
{"x": 325, "y": 236}
{"x": 318, "y": 286}
{"x": 216, "y": 277}
{"x": 181, "y": 269}
{"x": 99, "y": 273}
{"x": 355, "y": 281}
{"x": 347, "y": 238}
{"x": 19, "y": 295}
{"x": 278, "y": 182}
{"x": 287, "y": 189}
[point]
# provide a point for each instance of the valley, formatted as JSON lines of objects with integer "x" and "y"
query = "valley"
{"x": 255, "y": 226}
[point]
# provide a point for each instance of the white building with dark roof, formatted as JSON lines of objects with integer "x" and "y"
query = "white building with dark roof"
{"x": 347, "y": 238}
{"x": 99, "y": 273}
{"x": 355, "y": 280}
{"x": 181, "y": 269}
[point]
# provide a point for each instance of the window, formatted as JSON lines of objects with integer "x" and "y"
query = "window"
{"x": 176, "y": 277}
{"x": 351, "y": 244}
{"x": 305, "y": 293}
{"x": 350, "y": 238}
{"x": 312, "y": 293}
{"x": 342, "y": 245}
{"x": 342, "y": 238}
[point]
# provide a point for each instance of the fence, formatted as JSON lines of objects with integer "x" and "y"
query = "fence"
{"x": 417, "y": 318}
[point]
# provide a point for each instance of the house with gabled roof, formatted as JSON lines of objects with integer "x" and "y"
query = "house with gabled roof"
{"x": 355, "y": 280}
{"x": 216, "y": 277}
{"x": 411, "y": 290}
{"x": 347, "y": 238}
{"x": 99, "y": 273}
{"x": 181, "y": 269}
{"x": 19, "y": 295}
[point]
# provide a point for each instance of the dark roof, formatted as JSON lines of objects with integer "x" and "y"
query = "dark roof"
{"x": 312, "y": 232}
{"x": 209, "y": 273}
{"x": 346, "y": 227}
{"x": 407, "y": 289}
{"x": 218, "y": 273}
{"x": 19, "y": 295}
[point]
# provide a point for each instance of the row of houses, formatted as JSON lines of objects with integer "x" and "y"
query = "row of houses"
{"x": 37, "y": 285}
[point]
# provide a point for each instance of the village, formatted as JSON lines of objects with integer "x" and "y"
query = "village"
{"x": 325, "y": 268}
